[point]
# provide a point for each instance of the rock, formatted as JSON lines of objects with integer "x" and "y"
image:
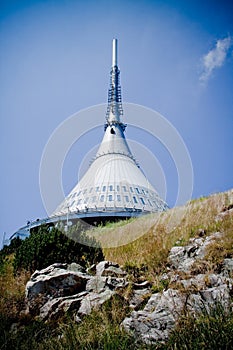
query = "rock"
{"x": 76, "y": 268}
{"x": 53, "y": 282}
{"x": 209, "y": 298}
{"x": 139, "y": 297}
{"x": 116, "y": 283}
{"x": 192, "y": 294}
{"x": 91, "y": 270}
{"x": 108, "y": 268}
{"x": 93, "y": 300}
{"x": 96, "y": 284}
{"x": 158, "y": 318}
{"x": 175, "y": 256}
{"x": 61, "y": 288}
{"x": 60, "y": 306}
{"x": 183, "y": 258}
{"x": 227, "y": 269}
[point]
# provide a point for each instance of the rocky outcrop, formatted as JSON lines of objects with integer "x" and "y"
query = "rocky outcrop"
{"x": 191, "y": 294}
{"x": 61, "y": 288}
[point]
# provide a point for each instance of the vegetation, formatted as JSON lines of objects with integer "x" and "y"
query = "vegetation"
{"x": 209, "y": 331}
{"x": 48, "y": 245}
{"x": 143, "y": 258}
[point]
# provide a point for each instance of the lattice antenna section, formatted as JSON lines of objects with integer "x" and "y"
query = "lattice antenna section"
{"x": 114, "y": 109}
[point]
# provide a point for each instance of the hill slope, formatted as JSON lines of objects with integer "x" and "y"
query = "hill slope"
{"x": 143, "y": 248}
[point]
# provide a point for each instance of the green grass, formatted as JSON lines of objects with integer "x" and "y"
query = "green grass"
{"x": 213, "y": 331}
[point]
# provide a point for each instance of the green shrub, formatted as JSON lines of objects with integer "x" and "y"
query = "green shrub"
{"x": 49, "y": 245}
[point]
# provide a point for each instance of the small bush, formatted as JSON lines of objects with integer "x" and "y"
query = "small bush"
{"x": 49, "y": 245}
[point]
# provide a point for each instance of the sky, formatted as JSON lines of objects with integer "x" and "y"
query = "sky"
{"x": 175, "y": 57}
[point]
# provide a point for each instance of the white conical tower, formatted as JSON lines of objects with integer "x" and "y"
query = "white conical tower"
{"x": 114, "y": 185}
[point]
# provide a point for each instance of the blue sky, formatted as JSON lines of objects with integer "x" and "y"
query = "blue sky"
{"x": 175, "y": 57}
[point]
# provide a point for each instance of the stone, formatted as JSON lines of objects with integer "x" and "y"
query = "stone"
{"x": 116, "y": 283}
{"x": 76, "y": 268}
{"x": 93, "y": 300}
{"x": 108, "y": 268}
{"x": 62, "y": 288}
{"x": 53, "y": 282}
{"x": 199, "y": 292}
{"x": 139, "y": 297}
{"x": 96, "y": 284}
{"x": 227, "y": 269}
{"x": 155, "y": 322}
{"x": 183, "y": 258}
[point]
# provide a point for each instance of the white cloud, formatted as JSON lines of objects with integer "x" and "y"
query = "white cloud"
{"x": 215, "y": 58}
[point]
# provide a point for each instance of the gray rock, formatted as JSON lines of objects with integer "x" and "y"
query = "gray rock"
{"x": 53, "y": 282}
{"x": 93, "y": 300}
{"x": 139, "y": 297}
{"x": 96, "y": 284}
{"x": 183, "y": 258}
{"x": 60, "y": 306}
{"x": 116, "y": 283}
{"x": 61, "y": 288}
{"x": 76, "y": 268}
{"x": 227, "y": 269}
{"x": 158, "y": 318}
{"x": 108, "y": 268}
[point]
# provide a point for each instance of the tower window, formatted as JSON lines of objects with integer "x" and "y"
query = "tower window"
{"x": 111, "y": 188}
{"x": 91, "y": 189}
{"x": 126, "y": 198}
{"x": 137, "y": 190}
{"x": 131, "y": 189}
{"x": 150, "y": 202}
{"x": 97, "y": 189}
{"x": 110, "y": 198}
{"x": 118, "y": 188}
{"x": 104, "y": 188}
{"x": 94, "y": 199}
{"x": 79, "y": 201}
{"x": 118, "y": 198}
{"x": 124, "y": 188}
{"x": 135, "y": 199}
{"x": 142, "y": 201}
{"x": 102, "y": 198}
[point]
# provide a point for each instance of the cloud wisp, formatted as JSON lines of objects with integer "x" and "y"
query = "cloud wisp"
{"x": 215, "y": 58}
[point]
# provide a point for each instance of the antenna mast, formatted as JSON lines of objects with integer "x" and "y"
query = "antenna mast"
{"x": 114, "y": 109}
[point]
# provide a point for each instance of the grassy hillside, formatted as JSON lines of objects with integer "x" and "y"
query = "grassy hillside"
{"x": 141, "y": 246}
{"x": 157, "y": 233}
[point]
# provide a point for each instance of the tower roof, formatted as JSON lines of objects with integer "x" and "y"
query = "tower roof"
{"x": 114, "y": 182}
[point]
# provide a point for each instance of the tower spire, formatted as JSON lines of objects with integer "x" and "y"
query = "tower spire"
{"x": 114, "y": 52}
{"x": 114, "y": 109}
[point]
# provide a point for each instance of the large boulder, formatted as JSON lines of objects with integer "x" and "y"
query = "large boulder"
{"x": 55, "y": 281}
{"x": 62, "y": 288}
